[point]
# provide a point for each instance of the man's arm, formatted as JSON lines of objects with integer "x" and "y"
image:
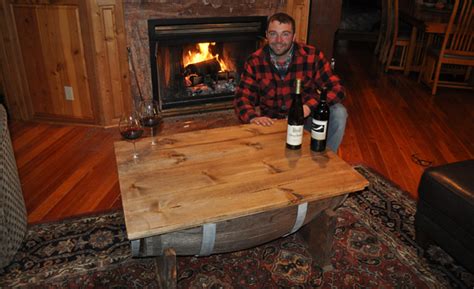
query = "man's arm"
{"x": 246, "y": 95}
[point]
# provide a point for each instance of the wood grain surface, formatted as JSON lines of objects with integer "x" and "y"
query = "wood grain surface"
{"x": 213, "y": 175}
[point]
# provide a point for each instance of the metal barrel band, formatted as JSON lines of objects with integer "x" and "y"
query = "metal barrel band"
{"x": 301, "y": 215}
{"x": 208, "y": 239}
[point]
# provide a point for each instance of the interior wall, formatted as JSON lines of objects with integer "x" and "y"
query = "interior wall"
{"x": 64, "y": 60}
{"x": 54, "y": 51}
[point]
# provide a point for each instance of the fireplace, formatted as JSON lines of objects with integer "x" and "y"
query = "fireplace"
{"x": 196, "y": 62}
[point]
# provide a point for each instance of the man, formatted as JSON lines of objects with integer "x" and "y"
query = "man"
{"x": 270, "y": 75}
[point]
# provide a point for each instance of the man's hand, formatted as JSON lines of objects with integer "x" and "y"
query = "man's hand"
{"x": 306, "y": 110}
{"x": 262, "y": 120}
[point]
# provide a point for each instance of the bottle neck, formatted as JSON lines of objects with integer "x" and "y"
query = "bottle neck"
{"x": 296, "y": 98}
{"x": 323, "y": 97}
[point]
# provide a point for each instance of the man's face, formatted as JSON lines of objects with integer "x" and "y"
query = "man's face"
{"x": 280, "y": 37}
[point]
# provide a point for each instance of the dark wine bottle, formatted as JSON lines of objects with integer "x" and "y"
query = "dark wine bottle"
{"x": 319, "y": 126}
{"x": 294, "y": 136}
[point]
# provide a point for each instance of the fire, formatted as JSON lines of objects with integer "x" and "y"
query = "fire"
{"x": 202, "y": 55}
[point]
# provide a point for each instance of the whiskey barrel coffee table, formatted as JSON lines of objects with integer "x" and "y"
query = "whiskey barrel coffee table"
{"x": 226, "y": 189}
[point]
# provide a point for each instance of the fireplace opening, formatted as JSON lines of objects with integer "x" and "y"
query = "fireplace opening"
{"x": 196, "y": 63}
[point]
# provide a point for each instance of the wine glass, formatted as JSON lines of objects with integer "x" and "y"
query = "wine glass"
{"x": 150, "y": 116}
{"x": 131, "y": 129}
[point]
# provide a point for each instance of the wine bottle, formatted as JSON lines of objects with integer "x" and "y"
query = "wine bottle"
{"x": 319, "y": 126}
{"x": 294, "y": 136}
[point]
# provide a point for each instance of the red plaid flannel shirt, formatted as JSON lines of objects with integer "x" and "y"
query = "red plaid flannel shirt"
{"x": 261, "y": 85}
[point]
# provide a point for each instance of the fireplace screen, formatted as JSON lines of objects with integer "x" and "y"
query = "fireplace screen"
{"x": 199, "y": 61}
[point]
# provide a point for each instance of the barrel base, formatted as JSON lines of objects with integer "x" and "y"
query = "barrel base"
{"x": 318, "y": 231}
{"x": 235, "y": 234}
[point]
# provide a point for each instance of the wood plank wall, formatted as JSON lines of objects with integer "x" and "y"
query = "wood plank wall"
{"x": 323, "y": 24}
{"x": 300, "y": 11}
{"x": 110, "y": 59}
{"x": 50, "y": 45}
{"x": 13, "y": 72}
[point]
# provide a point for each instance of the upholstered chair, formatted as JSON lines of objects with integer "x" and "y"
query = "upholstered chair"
{"x": 12, "y": 205}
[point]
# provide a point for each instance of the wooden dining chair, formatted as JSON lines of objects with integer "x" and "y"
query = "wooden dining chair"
{"x": 457, "y": 49}
{"x": 398, "y": 40}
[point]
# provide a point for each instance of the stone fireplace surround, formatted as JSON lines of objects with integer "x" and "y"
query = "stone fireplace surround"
{"x": 137, "y": 14}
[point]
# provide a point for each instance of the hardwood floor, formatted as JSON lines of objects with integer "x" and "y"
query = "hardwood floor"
{"x": 70, "y": 170}
{"x": 392, "y": 117}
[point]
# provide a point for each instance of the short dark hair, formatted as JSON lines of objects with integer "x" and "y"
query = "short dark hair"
{"x": 282, "y": 18}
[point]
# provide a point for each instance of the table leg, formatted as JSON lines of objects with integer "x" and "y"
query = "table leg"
{"x": 166, "y": 268}
{"x": 411, "y": 50}
{"x": 319, "y": 235}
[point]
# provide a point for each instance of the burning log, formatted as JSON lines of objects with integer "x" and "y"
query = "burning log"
{"x": 223, "y": 75}
{"x": 207, "y": 67}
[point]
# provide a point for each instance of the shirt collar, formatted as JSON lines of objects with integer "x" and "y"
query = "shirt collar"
{"x": 282, "y": 67}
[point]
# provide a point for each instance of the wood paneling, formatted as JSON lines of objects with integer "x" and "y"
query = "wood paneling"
{"x": 112, "y": 65}
{"x": 299, "y": 10}
{"x": 11, "y": 62}
{"x": 323, "y": 24}
{"x": 53, "y": 52}
{"x": 73, "y": 43}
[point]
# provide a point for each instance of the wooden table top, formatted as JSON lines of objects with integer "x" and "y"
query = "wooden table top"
{"x": 213, "y": 175}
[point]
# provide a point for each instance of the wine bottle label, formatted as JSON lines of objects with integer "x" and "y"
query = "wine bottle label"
{"x": 294, "y": 135}
{"x": 318, "y": 129}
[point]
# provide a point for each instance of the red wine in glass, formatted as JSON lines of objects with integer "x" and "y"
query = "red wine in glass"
{"x": 132, "y": 133}
{"x": 131, "y": 129}
{"x": 151, "y": 121}
{"x": 150, "y": 116}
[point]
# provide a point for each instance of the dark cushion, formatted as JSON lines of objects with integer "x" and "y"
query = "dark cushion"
{"x": 445, "y": 210}
{"x": 450, "y": 190}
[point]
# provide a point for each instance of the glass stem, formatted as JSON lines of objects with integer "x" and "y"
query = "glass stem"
{"x": 152, "y": 136}
{"x": 135, "y": 155}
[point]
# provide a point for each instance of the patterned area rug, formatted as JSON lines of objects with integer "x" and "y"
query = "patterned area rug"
{"x": 373, "y": 248}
